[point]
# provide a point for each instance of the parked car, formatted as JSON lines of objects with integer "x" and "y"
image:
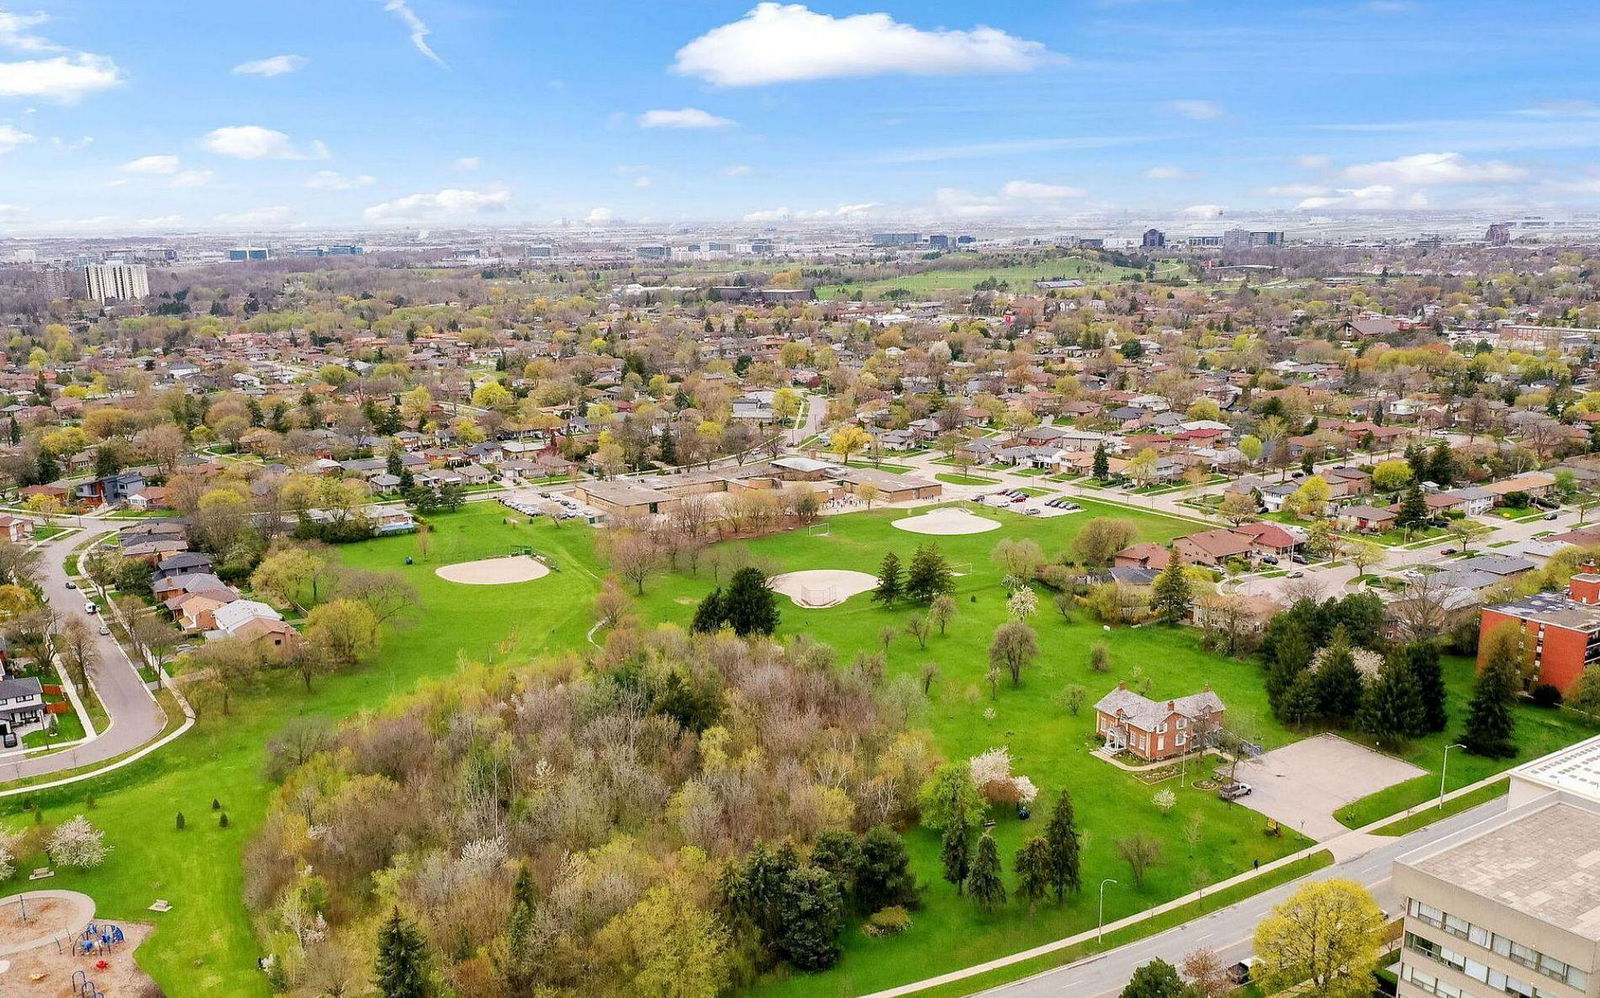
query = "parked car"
{"x": 1447, "y": 550}
{"x": 1234, "y": 790}
{"x": 71, "y": 584}
{"x": 1550, "y": 516}
{"x": 104, "y": 629}
{"x": 90, "y": 608}
{"x": 1299, "y": 559}
{"x": 1297, "y": 574}
{"x": 1269, "y": 559}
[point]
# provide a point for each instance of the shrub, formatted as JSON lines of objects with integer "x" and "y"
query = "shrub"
{"x": 1546, "y": 695}
{"x": 889, "y": 921}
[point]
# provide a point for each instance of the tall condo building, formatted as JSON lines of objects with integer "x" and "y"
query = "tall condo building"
{"x": 117, "y": 281}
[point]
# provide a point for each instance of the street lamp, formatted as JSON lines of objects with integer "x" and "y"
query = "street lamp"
{"x": 1100, "y": 920}
{"x": 1444, "y": 769}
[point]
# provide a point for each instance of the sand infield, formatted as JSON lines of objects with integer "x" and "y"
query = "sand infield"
{"x": 945, "y": 521}
{"x": 819, "y": 588}
{"x": 494, "y": 571}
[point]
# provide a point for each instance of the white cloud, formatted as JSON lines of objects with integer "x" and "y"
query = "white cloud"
{"x": 191, "y": 178}
{"x": 683, "y": 117}
{"x": 65, "y": 78}
{"x": 1009, "y": 147}
{"x": 1432, "y": 169}
{"x": 778, "y": 43}
{"x": 1196, "y": 110}
{"x": 736, "y": 170}
{"x": 255, "y": 142}
{"x": 1028, "y": 190}
{"x": 14, "y": 33}
{"x": 838, "y": 211}
{"x": 444, "y": 205}
{"x": 1583, "y": 185}
{"x": 12, "y": 212}
{"x": 276, "y": 214}
{"x": 468, "y": 163}
{"x": 11, "y": 137}
{"x": 1371, "y": 197}
{"x": 419, "y": 31}
{"x": 1575, "y": 108}
{"x": 1312, "y": 160}
{"x": 331, "y": 180}
{"x": 159, "y": 222}
{"x": 72, "y": 146}
{"x": 1205, "y": 211}
{"x": 1297, "y": 191}
{"x": 598, "y": 216}
{"x": 1164, "y": 173}
{"x": 642, "y": 181}
{"x": 151, "y": 164}
{"x": 272, "y": 66}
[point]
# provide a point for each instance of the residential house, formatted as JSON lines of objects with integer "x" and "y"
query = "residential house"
{"x": 1371, "y": 519}
{"x": 1155, "y": 730}
{"x": 16, "y": 528}
{"x": 1213, "y": 547}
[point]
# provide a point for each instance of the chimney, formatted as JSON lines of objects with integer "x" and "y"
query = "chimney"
{"x": 1172, "y": 705}
{"x": 1122, "y": 684}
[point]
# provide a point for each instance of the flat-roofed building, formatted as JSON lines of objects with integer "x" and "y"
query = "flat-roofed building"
{"x": 618, "y": 496}
{"x": 1511, "y": 905}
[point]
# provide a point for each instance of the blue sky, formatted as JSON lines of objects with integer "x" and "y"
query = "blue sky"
{"x": 258, "y": 114}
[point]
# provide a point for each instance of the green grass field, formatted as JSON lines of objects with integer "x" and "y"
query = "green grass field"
{"x": 1020, "y": 277}
{"x": 950, "y": 478}
{"x": 205, "y": 946}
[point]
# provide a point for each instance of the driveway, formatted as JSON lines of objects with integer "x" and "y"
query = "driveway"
{"x": 1303, "y": 784}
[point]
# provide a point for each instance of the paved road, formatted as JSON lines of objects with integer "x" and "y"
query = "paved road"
{"x": 1229, "y": 930}
{"x": 135, "y": 716}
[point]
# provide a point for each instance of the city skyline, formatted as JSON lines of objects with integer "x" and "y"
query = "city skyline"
{"x": 441, "y": 112}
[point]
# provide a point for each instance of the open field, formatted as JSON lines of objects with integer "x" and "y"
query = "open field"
{"x": 1019, "y": 277}
{"x": 205, "y": 945}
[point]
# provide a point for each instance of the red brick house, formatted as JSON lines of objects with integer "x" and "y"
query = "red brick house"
{"x": 1155, "y": 730}
{"x": 1142, "y": 555}
{"x": 1213, "y": 547}
{"x": 1562, "y": 630}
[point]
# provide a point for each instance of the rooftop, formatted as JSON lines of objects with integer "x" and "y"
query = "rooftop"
{"x": 1575, "y": 769}
{"x": 1544, "y": 863}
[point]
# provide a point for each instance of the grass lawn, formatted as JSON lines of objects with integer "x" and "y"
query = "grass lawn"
{"x": 1455, "y": 805}
{"x": 1020, "y": 277}
{"x": 1539, "y": 732}
{"x": 949, "y": 478}
{"x": 1047, "y": 743}
{"x": 205, "y": 946}
{"x": 893, "y": 469}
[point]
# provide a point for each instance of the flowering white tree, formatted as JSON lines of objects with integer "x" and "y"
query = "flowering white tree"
{"x": 991, "y": 771}
{"x": 77, "y": 843}
{"x": 8, "y": 857}
{"x": 1023, "y": 603}
{"x": 1164, "y": 800}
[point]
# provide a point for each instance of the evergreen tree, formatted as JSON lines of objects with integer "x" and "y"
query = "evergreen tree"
{"x": 1290, "y": 654}
{"x": 754, "y": 890}
{"x": 749, "y": 606}
{"x": 1156, "y": 979}
{"x": 668, "y": 446}
{"x": 1391, "y": 710}
{"x": 883, "y": 877}
{"x": 1170, "y": 594}
{"x": 1339, "y": 683}
{"x": 1301, "y": 702}
{"x": 1033, "y": 871}
{"x": 1428, "y": 675}
{"x": 955, "y": 854}
{"x": 1102, "y": 463}
{"x": 891, "y": 584}
{"x": 708, "y": 616}
{"x": 519, "y": 934}
{"x": 1061, "y": 836}
{"x": 1491, "y": 727}
{"x": 929, "y": 575}
{"x": 984, "y": 883}
{"x": 813, "y": 911}
{"x": 400, "y": 970}
{"x": 1441, "y": 466}
{"x": 1413, "y": 509}
{"x": 838, "y": 851}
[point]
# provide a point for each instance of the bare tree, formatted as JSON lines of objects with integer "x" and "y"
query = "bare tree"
{"x": 633, "y": 557}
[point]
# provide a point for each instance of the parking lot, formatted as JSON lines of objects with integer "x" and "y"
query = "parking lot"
{"x": 1020, "y": 502}
{"x": 1303, "y": 784}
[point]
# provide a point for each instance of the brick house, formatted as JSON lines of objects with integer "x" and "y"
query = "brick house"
{"x": 1155, "y": 730}
{"x": 1562, "y": 630}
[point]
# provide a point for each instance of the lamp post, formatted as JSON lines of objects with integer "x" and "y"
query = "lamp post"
{"x": 1100, "y": 919}
{"x": 1445, "y": 769}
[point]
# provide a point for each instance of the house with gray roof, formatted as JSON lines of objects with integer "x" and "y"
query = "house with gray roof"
{"x": 1155, "y": 730}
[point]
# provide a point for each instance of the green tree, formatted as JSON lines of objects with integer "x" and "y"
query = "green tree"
{"x": 955, "y": 853}
{"x": 1491, "y": 727}
{"x": 1033, "y": 871}
{"x": 984, "y": 884}
{"x": 1427, "y": 673}
{"x": 1061, "y": 836}
{"x": 749, "y": 605}
{"x": 883, "y": 877}
{"x": 941, "y": 611}
{"x": 1339, "y": 682}
{"x": 1391, "y": 709}
{"x": 401, "y": 968}
{"x": 1102, "y": 463}
{"x": 813, "y": 911}
{"x": 1413, "y": 510}
{"x": 709, "y": 615}
{"x": 1171, "y": 593}
{"x": 891, "y": 584}
{"x": 1323, "y": 941}
{"x": 929, "y": 576}
{"x": 950, "y": 797}
{"x": 1156, "y": 979}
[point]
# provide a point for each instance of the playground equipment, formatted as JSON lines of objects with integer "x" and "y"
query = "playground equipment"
{"x": 83, "y": 987}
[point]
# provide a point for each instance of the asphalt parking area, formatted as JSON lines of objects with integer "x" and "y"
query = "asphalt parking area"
{"x": 1303, "y": 784}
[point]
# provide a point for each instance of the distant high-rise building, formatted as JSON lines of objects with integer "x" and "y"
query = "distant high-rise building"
{"x": 541, "y": 251}
{"x": 1498, "y": 235}
{"x": 939, "y": 242}
{"x": 762, "y": 246}
{"x": 117, "y": 281}
{"x": 895, "y": 238}
{"x": 1266, "y": 239}
{"x": 1153, "y": 239}
{"x": 965, "y": 240}
{"x": 653, "y": 252}
{"x": 242, "y": 254}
